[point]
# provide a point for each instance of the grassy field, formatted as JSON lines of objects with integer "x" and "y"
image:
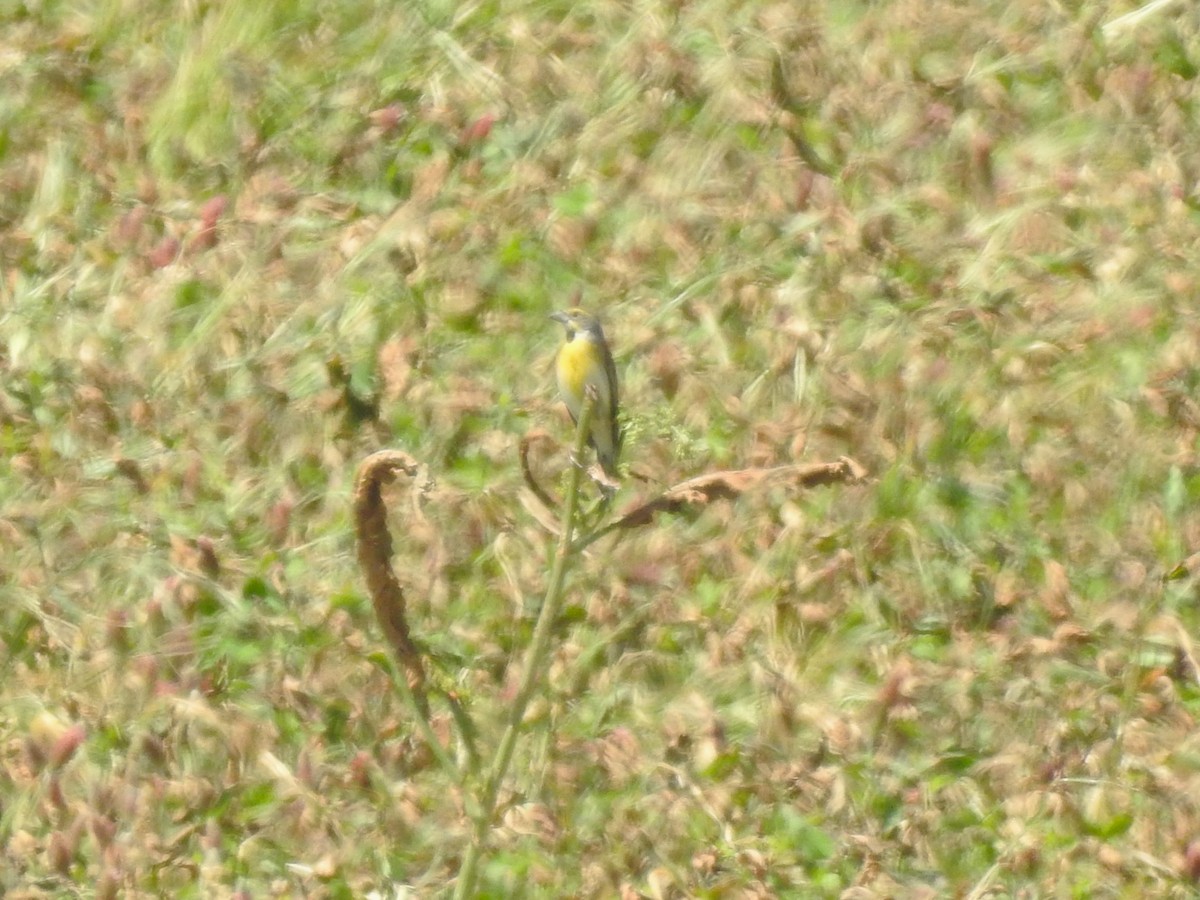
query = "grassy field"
{"x": 246, "y": 245}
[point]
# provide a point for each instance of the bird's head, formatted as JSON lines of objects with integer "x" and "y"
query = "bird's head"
{"x": 576, "y": 321}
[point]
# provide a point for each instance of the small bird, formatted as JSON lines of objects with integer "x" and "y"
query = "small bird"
{"x": 586, "y": 360}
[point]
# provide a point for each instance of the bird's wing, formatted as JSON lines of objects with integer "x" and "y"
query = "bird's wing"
{"x": 610, "y": 369}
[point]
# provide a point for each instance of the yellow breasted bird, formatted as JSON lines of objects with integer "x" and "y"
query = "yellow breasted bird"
{"x": 586, "y": 360}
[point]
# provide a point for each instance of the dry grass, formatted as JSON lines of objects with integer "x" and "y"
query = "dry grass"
{"x": 244, "y": 249}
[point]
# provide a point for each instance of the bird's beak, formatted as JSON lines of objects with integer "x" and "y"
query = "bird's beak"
{"x": 560, "y": 317}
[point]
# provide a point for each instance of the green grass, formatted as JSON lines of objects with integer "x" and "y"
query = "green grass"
{"x": 957, "y": 243}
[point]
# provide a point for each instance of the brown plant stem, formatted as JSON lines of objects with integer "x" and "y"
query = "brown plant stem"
{"x": 375, "y": 560}
{"x": 527, "y": 443}
{"x": 727, "y": 485}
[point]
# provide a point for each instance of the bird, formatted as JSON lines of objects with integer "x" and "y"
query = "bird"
{"x": 584, "y": 359}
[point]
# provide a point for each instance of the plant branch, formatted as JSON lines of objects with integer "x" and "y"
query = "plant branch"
{"x": 705, "y": 489}
{"x": 535, "y": 660}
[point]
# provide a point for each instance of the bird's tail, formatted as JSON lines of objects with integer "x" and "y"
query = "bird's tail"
{"x": 608, "y": 462}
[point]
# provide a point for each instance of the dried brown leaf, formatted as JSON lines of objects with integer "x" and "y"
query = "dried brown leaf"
{"x": 1005, "y": 589}
{"x": 1056, "y": 590}
{"x": 395, "y": 365}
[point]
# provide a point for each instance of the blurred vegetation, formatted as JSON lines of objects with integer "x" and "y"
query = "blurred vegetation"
{"x": 246, "y": 245}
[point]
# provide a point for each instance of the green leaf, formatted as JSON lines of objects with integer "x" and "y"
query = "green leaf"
{"x": 574, "y": 201}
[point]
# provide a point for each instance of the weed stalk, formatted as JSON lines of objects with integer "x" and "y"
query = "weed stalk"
{"x": 535, "y": 662}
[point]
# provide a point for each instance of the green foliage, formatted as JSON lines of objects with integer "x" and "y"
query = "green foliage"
{"x": 248, "y": 244}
